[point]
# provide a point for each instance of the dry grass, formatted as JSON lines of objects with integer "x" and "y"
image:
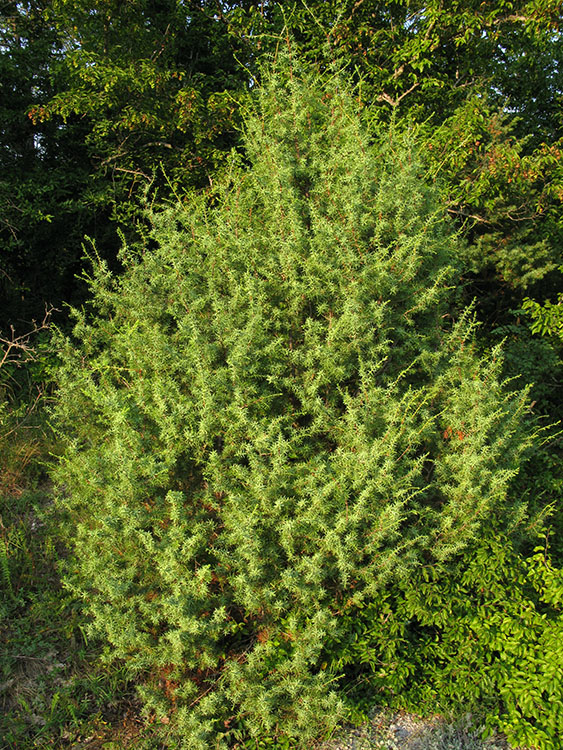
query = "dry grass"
{"x": 17, "y": 455}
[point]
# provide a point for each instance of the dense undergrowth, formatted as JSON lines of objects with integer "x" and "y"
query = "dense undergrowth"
{"x": 54, "y": 692}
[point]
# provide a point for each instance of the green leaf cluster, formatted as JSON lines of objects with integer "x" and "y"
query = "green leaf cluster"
{"x": 547, "y": 317}
{"x": 484, "y": 637}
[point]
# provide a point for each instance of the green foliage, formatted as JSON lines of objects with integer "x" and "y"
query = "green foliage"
{"x": 43, "y": 170}
{"x": 481, "y": 82}
{"x": 26, "y": 366}
{"x": 53, "y": 691}
{"x": 484, "y": 636}
{"x": 506, "y": 196}
{"x": 425, "y": 58}
{"x": 547, "y": 317}
{"x": 106, "y": 102}
{"x": 153, "y": 83}
{"x": 258, "y": 424}
{"x": 101, "y": 104}
{"x": 269, "y": 417}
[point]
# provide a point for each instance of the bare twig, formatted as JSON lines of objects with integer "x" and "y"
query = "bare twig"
{"x": 164, "y": 144}
{"x": 156, "y": 54}
{"x": 475, "y": 217}
{"x": 18, "y": 349}
{"x": 395, "y": 102}
{"x": 136, "y": 172}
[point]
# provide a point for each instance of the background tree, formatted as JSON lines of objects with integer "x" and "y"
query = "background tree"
{"x": 105, "y": 103}
{"x": 42, "y": 168}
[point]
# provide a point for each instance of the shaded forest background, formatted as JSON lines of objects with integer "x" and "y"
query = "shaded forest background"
{"x": 109, "y": 108}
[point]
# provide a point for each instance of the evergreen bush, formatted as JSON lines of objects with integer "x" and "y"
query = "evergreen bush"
{"x": 271, "y": 415}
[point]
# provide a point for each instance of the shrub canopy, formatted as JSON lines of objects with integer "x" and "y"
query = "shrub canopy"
{"x": 272, "y": 414}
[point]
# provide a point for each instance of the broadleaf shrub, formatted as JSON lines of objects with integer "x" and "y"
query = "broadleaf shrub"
{"x": 272, "y": 415}
{"x": 484, "y": 636}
